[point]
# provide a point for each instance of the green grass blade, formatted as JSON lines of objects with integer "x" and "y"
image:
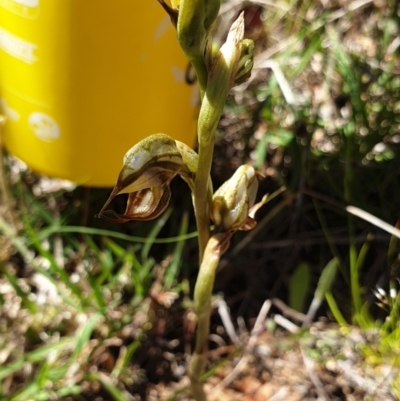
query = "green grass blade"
{"x": 69, "y": 391}
{"x": 308, "y": 53}
{"x": 26, "y": 302}
{"x": 354, "y": 280}
{"x": 84, "y": 336}
{"x": 97, "y": 292}
{"x": 11, "y": 368}
{"x": 42, "y": 374}
{"x": 356, "y": 263}
{"x": 107, "y": 264}
{"x": 37, "y": 355}
{"x": 334, "y": 309}
{"x": 57, "y": 229}
{"x": 30, "y": 392}
{"x": 159, "y": 224}
{"x": 43, "y": 352}
{"x": 25, "y": 252}
{"x": 131, "y": 349}
{"x": 108, "y": 385}
{"x": 36, "y": 207}
{"x": 173, "y": 268}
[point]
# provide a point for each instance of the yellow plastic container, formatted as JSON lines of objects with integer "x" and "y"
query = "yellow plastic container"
{"x": 81, "y": 81}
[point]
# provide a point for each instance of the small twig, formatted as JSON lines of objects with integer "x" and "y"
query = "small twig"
{"x": 282, "y": 81}
{"x": 280, "y": 395}
{"x": 257, "y": 329}
{"x": 227, "y": 322}
{"x": 232, "y": 375}
{"x": 288, "y": 311}
{"x": 259, "y": 324}
{"x": 217, "y": 340}
{"x": 286, "y": 324}
{"x": 312, "y": 310}
{"x": 393, "y": 46}
{"x": 355, "y": 211}
{"x": 362, "y": 214}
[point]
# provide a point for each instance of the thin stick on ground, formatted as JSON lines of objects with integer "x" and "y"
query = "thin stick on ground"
{"x": 257, "y": 330}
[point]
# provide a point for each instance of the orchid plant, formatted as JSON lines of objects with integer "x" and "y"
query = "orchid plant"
{"x": 151, "y": 164}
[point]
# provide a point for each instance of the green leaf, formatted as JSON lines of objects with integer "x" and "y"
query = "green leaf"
{"x": 324, "y": 285}
{"x": 299, "y": 286}
{"x": 159, "y": 224}
{"x": 327, "y": 277}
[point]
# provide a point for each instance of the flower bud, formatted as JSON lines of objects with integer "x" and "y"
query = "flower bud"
{"x": 225, "y": 63}
{"x": 192, "y": 35}
{"x": 246, "y": 62}
{"x": 233, "y": 201}
{"x": 221, "y": 78}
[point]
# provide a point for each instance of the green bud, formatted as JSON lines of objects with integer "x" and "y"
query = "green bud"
{"x": 225, "y": 63}
{"x": 221, "y": 78}
{"x": 193, "y": 20}
{"x": 246, "y": 62}
{"x": 190, "y": 28}
{"x": 233, "y": 201}
{"x": 207, "y": 10}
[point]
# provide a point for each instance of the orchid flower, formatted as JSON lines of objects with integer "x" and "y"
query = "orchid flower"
{"x": 147, "y": 171}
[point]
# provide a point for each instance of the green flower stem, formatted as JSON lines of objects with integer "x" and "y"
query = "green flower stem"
{"x": 210, "y": 113}
{"x": 215, "y": 248}
{"x": 221, "y": 78}
{"x": 208, "y": 121}
{"x": 200, "y": 69}
{"x": 201, "y": 198}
